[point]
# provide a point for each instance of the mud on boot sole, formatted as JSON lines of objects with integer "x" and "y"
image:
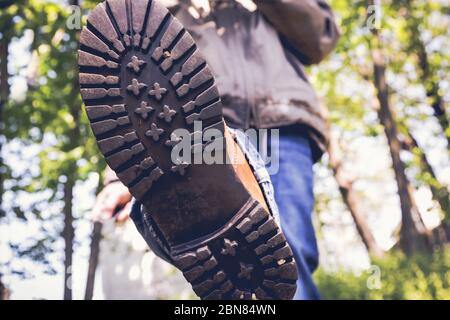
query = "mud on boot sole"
{"x": 142, "y": 77}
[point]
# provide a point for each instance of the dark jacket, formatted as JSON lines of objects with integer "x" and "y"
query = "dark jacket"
{"x": 258, "y": 57}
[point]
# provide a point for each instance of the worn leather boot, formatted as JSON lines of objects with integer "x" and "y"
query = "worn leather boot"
{"x": 143, "y": 80}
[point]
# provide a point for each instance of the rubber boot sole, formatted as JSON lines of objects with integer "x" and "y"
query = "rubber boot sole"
{"x": 142, "y": 77}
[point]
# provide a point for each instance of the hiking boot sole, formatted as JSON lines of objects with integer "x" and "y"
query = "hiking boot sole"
{"x": 141, "y": 78}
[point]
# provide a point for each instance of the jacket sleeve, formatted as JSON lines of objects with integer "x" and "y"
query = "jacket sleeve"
{"x": 308, "y": 25}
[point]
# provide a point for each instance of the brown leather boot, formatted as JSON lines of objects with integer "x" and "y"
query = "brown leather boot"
{"x": 141, "y": 78}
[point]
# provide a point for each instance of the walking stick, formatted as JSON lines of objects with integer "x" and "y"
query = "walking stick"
{"x": 93, "y": 259}
{"x": 96, "y": 236}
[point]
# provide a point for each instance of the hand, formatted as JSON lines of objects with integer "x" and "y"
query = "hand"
{"x": 115, "y": 195}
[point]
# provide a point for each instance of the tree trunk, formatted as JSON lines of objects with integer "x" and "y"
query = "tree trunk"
{"x": 439, "y": 191}
{"x": 437, "y": 101}
{"x": 4, "y": 94}
{"x": 4, "y": 76}
{"x": 413, "y": 234}
{"x": 351, "y": 199}
{"x": 68, "y": 235}
{"x": 431, "y": 81}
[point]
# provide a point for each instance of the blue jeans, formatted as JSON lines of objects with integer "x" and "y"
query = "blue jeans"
{"x": 293, "y": 185}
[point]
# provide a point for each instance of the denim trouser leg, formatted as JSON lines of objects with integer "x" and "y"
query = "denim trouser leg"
{"x": 293, "y": 185}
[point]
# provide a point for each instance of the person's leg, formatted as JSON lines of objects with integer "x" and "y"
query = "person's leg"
{"x": 293, "y": 185}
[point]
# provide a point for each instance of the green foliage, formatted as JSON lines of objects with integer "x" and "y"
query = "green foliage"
{"x": 52, "y": 104}
{"x": 49, "y": 115}
{"x": 416, "y": 277}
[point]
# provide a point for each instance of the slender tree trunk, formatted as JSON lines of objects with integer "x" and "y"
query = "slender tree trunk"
{"x": 4, "y": 94}
{"x": 69, "y": 231}
{"x": 438, "y": 190}
{"x": 431, "y": 81}
{"x": 437, "y": 101}
{"x": 68, "y": 234}
{"x": 351, "y": 199}
{"x": 413, "y": 234}
{"x": 4, "y": 76}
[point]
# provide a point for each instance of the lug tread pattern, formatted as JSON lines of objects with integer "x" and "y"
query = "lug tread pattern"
{"x": 131, "y": 116}
{"x": 218, "y": 272}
